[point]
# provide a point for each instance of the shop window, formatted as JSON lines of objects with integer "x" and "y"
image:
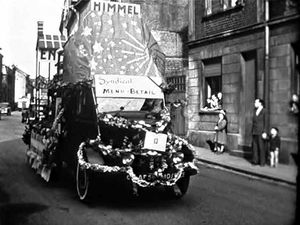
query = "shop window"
{"x": 178, "y": 82}
{"x": 214, "y": 6}
{"x": 212, "y": 91}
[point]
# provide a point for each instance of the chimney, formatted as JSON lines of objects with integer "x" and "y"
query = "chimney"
{"x": 40, "y": 28}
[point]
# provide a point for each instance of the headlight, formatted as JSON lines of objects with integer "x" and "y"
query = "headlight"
{"x": 127, "y": 159}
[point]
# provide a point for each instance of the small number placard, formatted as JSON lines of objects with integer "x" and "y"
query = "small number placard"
{"x": 155, "y": 141}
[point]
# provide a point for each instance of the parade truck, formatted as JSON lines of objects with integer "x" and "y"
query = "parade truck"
{"x": 108, "y": 113}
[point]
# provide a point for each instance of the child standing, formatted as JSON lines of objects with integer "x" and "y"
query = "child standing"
{"x": 274, "y": 146}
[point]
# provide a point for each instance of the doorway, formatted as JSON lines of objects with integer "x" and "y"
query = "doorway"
{"x": 248, "y": 93}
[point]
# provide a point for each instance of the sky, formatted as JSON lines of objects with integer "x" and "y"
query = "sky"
{"x": 18, "y": 29}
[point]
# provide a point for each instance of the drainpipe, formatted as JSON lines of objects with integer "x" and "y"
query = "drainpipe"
{"x": 267, "y": 71}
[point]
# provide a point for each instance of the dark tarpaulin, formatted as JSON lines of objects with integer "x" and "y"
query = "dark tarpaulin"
{"x": 76, "y": 64}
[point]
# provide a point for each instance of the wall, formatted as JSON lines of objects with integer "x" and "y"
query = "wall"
{"x": 20, "y": 85}
{"x": 225, "y": 20}
{"x": 281, "y": 56}
{"x": 231, "y": 49}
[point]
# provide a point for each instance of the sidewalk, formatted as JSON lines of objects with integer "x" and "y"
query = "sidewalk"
{"x": 283, "y": 173}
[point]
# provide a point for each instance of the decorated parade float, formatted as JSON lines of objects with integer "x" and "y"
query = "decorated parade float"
{"x": 107, "y": 112}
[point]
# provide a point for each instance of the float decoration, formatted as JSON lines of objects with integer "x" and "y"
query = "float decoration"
{"x": 158, "y": 173}
{"x": 172, "y": 159}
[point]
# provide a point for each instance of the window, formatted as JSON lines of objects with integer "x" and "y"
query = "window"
{"x": 212, "y": 71}
{"x": 178, "y": 82}
{"x": 214, "y": 6}
{"x": 213, "y": 85}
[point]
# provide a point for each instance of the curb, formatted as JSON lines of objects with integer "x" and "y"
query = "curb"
{"x": 245, "y": 172}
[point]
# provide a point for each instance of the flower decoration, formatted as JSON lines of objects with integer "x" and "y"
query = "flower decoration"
{"x": 160, "y": 177}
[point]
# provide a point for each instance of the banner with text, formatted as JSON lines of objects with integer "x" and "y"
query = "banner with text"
{"x": 119, "y": 86}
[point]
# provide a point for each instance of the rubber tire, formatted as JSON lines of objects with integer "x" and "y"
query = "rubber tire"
{"x": 183, "y": 185}
{"x": 84, "y": 193}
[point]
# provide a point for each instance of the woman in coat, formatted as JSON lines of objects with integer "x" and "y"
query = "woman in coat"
{"x": 221, "y": 133}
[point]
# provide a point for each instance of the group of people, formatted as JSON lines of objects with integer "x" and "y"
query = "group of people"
{"x": 259, "y": 137}
{"x": 215, "y": 102}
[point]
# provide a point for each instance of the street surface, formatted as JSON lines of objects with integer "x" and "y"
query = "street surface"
{"x": 214, "y": 197}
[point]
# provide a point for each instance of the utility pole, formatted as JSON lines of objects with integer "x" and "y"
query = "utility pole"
{"x": 267, "y": 70}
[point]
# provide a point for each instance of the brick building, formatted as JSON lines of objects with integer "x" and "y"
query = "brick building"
{"x": 245, "y": 49}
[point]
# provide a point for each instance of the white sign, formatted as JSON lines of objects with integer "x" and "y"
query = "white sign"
{"x": 46, "y": 59}
{"x": 114, "y": 104}
{"x": 116, "y": 7}
{"x": 155, "y": 141}
{"x": 126, "y": 86}
{"x": 47, "y": 55}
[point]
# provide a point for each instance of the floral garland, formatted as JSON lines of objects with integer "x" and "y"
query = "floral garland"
{"x": 95, "y": 167}
{"x": 174, "y": 143}
{"x": 143, "y": 183}
{"x": 124, "y": 123}
{"x": 43, "y": 160}
{"x": 129, "y": 170}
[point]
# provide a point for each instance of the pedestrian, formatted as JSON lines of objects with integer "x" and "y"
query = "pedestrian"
{"x": 220, "y": 139}
{"x": 258, "y": 133}
{"x": 274, "y": 146}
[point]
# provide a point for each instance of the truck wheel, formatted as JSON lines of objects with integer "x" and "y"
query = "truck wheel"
{"x": 180, "y": 188}
{"x": 82, "y": 183}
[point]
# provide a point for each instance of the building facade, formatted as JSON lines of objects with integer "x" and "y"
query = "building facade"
{"x": 7, "y": 84}
{"x": 16, "y": 86}
{"x": 245, "y": 49}
{"x": 20, "y": 84}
